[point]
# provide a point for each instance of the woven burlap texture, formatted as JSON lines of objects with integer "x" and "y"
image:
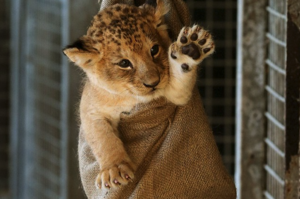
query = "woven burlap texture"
{"x": 173, "y": 146}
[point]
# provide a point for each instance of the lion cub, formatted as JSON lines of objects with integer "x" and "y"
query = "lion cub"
{"x": 128, "y": 59}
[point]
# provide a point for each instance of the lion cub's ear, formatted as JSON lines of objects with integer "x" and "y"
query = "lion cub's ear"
{"x": 82, "y": 52}
{"x": 161, "y": 9}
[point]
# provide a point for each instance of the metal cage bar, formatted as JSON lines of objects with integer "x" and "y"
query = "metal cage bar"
{"x": 282, "y": 142}
{"x": 275, "y": 109}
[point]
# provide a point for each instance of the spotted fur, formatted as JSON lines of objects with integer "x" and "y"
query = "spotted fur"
{"x": 129, "y": 58}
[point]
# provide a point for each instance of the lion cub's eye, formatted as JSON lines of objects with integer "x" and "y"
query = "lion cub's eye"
{"x": 154, "y": 50}
{"x": 125, "y": 63}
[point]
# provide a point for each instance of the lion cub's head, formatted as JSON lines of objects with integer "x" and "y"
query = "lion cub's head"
{"x": 125, "y": 49}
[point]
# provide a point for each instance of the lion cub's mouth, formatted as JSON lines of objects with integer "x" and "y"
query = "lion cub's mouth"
{"x": 153, "y": 91}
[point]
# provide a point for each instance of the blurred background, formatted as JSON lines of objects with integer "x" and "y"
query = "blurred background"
{"x": 250, "y": 90}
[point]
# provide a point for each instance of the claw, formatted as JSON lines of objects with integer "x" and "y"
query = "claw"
{"x": 207, "y": 35}
{"x": 186, "y": 30}
{"x": 127, "y": 177}
{"x": 198, "y": 28}
{"x": 98, "y": 186}
{"x": 117, "y": 182}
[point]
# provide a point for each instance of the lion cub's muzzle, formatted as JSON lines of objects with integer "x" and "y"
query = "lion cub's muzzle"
{"x": 150, "y": 77}
{"x": 152, "y": 84}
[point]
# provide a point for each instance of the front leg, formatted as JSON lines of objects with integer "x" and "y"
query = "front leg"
{"x": 192, "y": 46}
{"x": 116, "y": 168}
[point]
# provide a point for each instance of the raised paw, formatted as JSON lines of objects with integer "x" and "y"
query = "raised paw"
{"x": 115, "y": 176}
{"x": 192, "y": 46}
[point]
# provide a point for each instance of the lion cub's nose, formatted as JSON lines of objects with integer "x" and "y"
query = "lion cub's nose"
{"x": 151, "y": 84}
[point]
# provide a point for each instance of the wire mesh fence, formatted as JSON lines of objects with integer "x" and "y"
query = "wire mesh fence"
{"x": 218, "y": 73}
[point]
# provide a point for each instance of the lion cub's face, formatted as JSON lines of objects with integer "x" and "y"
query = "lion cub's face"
{"x": 125, "y": 50}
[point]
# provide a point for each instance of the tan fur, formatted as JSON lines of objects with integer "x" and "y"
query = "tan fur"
{"x": 126, "y": 32}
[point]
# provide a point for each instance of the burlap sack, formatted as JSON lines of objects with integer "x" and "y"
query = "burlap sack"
{"x": 173, "y": 147}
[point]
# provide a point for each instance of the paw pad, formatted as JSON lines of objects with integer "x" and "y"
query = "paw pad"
{"x": 192, "y": 46}
{"x": 183, "y": 40}
{"x": 191, "y": 50}
{"x": 185, "y": 67}
{"x": 194, "y": 37}
{"x": 202, "y": 42}
{"x": 195, "y": 42}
